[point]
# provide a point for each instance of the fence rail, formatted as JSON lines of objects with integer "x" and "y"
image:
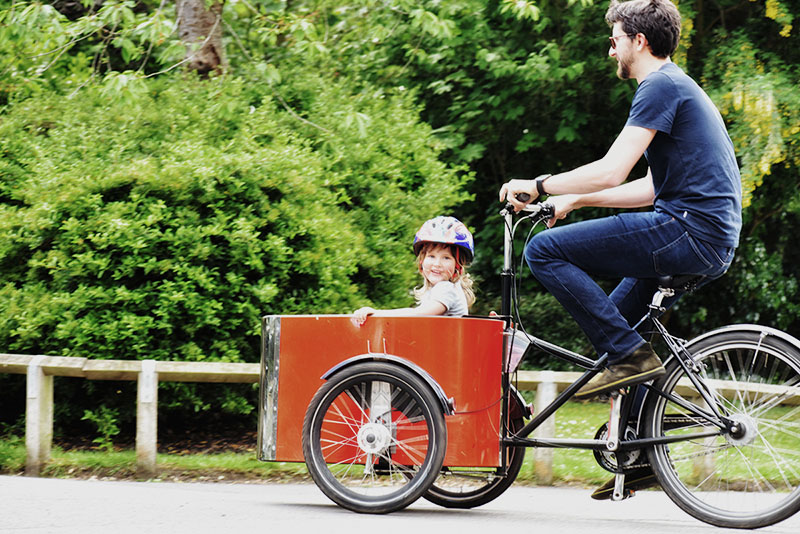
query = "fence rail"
{"x": 40, "y": 371}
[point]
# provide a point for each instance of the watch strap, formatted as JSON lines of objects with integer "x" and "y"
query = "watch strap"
{"x": 540, "y": 184}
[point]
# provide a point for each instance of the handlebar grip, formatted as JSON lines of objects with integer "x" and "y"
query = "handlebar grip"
{"x": 547, "y": 210}
{"x": 523, "y": 197}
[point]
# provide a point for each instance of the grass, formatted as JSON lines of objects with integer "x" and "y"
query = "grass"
{"x": 573, "y": 466}
{"x": 578, "y": 420}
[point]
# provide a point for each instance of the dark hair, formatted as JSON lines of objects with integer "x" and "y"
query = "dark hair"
{"x": 658, "y": 20}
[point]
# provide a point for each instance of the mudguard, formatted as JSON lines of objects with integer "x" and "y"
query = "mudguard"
{"x": 448, "y": 404}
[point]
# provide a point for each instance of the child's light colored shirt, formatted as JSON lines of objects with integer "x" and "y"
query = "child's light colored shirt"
{"x": 450, "y": 295}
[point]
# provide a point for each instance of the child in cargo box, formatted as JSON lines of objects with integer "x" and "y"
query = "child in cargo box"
{"x": 444, "y": 247}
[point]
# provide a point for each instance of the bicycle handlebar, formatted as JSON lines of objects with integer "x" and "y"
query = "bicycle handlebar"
{"x": 542, "y": 210}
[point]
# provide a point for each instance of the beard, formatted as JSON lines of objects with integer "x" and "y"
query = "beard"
{"x": 623, "y": 68}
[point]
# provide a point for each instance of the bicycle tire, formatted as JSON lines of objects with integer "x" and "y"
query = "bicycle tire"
{"x": 750, "y": 480}
{"x": 374, "y": 437}
{"x": 463, "y": 488}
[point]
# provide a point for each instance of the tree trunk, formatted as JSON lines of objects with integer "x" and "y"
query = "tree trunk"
{"x": 200, "y": 29}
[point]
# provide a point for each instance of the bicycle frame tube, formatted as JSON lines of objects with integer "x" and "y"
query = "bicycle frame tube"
{"x": 507, "y": 276}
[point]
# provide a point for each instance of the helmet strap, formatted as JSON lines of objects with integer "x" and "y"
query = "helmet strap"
{"x": 457, "y": 272}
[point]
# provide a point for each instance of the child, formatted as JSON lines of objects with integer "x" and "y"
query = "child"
{"x": 443, "y": 247}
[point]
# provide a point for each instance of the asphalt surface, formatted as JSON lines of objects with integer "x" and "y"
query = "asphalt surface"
{"x": 39, "y": 505}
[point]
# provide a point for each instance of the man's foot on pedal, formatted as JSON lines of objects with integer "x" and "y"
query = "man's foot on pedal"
{"x": 636, "y": 480}
{"x": 642, "y": 365}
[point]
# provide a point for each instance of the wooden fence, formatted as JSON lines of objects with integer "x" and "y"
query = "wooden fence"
{"x": 40, "y": 371}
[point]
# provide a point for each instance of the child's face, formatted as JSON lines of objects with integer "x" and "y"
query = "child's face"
{"x": 438, "y": 264}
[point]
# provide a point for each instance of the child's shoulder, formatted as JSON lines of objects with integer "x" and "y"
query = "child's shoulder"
{"x": 445, "y": 287}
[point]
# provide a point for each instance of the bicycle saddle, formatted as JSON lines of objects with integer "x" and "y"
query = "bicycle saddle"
{"x": 680, "y": 282}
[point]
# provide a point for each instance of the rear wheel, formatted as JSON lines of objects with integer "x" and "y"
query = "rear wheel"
{"x": 374, "y": 437}
{"x": 465, "y": 487}
{"x": 747, "y": 479}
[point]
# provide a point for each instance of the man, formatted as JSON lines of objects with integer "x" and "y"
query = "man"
{"x": 692, "y": 182}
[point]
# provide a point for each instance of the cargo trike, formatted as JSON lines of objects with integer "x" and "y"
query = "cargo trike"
{"x": 408, "y": 407}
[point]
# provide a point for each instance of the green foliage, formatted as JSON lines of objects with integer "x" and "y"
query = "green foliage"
{"x": 757, "y": 93}
{"x": 66, "y": 45}
{"x": 106, "y": 421}
{"x": 12, "y": 453}
{"x": 163, "y": 225}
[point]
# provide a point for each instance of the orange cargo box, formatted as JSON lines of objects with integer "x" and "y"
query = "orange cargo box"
{"x": 463, "y": 355}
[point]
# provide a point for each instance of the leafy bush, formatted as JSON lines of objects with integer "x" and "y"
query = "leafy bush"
{"x": 163, "y": 225}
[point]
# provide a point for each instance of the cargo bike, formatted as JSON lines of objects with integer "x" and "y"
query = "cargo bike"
{"x": 408, "y": 407}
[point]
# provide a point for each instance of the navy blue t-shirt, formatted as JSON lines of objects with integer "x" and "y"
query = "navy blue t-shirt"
{"x": 695, "y": 174}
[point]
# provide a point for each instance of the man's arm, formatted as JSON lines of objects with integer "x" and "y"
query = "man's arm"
{"x": 608, "y": 172}
{"x": 636, "y": 194}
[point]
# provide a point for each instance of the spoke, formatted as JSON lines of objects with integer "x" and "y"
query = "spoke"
{"x": 700, "y": 484}
{"x": 342, "y": 441}
{"x": 777, "y": 398}
{"x": 410, "y": 422}
{"x": 790, "y": 414}
{"x": 329, "y": 443}
{"x": 415, "y": 455}
{"x": 772, "y": 453}
{"x": 754, "y": 471}
{"x": 351, "y": 423}
{"x": 348, "y": 463}
{"x": 780, "y": 428}
{"x": 335, "y": 406}
{"x": 732, "y": 377}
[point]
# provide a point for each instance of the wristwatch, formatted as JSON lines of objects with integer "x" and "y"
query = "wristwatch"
{"x": 540, "y": 184}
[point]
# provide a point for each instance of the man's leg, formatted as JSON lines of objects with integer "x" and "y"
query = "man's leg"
{"x": 637, "y": 246}
{"x": 564, "y": 259}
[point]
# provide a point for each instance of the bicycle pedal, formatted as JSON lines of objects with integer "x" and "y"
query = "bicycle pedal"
{"x": 627, "y": 494}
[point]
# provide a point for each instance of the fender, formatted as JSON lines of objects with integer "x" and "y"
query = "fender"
{"x": 744, "y": 327}
{"x": 766, "y": 330}
{"x": 447, "y": 404}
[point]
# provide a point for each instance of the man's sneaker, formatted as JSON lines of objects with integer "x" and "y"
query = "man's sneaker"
{"x": 636, "y": 480}
{"x": 642, "y": 365}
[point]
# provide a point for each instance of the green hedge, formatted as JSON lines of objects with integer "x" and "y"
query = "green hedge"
{"x": 164, "y": 224}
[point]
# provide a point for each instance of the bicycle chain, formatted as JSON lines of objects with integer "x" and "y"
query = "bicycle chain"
{"x": 688, "y": 457}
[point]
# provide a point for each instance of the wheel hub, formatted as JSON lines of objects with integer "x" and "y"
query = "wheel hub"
{"x": 374, "y": 438}
{"x": 743, "y": 431}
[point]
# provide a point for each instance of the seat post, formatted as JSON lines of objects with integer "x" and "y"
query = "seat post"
{"x": 659, "y": 296}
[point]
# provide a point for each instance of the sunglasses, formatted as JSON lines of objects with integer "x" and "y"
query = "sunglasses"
{"x": 614, "y": 38}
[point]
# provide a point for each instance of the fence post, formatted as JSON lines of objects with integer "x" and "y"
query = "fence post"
{"x": 38, "y": 417}
{"x": 146, "y": 420}
{"x": 543, "y": 456}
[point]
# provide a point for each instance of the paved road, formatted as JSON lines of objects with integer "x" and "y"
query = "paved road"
{"x": 37, "y": 505}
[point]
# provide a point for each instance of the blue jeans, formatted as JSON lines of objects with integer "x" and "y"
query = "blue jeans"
{"x": 638, "y": 247}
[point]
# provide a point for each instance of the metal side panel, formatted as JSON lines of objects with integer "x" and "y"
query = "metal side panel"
{"x": 268, "y": 398}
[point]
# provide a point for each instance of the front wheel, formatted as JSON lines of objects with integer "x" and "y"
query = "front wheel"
{"x": 470, "y": 487}
{"x": 749, "y": 479}
{"x": 374, "y": 437}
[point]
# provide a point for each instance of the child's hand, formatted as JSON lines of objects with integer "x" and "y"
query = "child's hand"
{"x": 361, "y": 314}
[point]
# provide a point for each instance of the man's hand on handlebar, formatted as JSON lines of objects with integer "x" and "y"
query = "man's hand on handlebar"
{"x": 562, "y": 206}
{"x": 514, "y": 192}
